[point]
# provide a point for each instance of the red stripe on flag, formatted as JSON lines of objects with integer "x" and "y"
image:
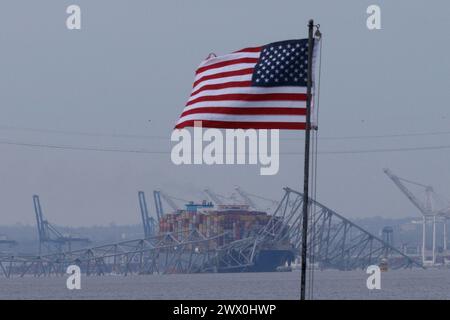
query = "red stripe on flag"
{"x": 247, "y": 111}
{"x": 226, "y": 63}
{"x": 244, "y": 125}
{"x": 254, "y": 49}
{"x": 252, "y": 97}
{"x": 240, "y": 72}
{"x": 231, "y": 84}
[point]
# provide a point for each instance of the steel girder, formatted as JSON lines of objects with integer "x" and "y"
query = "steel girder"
{"x": 162, "y": 254}
{"x": 334, "y": 242}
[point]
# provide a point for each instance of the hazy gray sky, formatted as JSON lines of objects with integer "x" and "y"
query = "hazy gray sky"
{"x": 133, "y": 61}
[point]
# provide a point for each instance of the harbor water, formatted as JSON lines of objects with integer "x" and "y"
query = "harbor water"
{"x": 328, "y": 284}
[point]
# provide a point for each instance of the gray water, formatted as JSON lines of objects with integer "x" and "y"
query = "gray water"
{"x": 399, "y": 284}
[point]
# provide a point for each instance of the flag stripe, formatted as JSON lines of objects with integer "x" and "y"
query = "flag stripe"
{"x": 246, "y": 77}
{"x": 226, "y": 63}
{"x": 247, "y": 90}
{"x": 247, "y": 111}
{"x": 243, "y": 117}
{"x": 252, "y": 97}
{"x": 233, "y": 67}
{"x": 223, "y": 85}
{"x": 248, "y": 104}
{"x": 245, "y": 125}
{"x": 254, "y": 49}
{"x": 225, "y": 74}
{"x": 228, "y": 57}
{"x": 227, "y": 93}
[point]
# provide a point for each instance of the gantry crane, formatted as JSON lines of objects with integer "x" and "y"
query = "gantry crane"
{"x": 148, "y": 222}
{"x": 246, "y": 197}
{"x": 158, "y": 194}
{"x": 426, "y": 209}
{"x": 169, "y": 200}
{"x": 213, "y": 196}
{"x": 219, "y": 199}
{"x": 49, "y": 236}
{"x": 158, "y": 204}
{"x": 429, "y": 213}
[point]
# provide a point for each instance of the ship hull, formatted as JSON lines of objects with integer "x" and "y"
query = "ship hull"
{"x": 267, "y": 260}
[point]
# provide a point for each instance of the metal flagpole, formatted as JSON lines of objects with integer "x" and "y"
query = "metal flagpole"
{"x": 306, "y": 168}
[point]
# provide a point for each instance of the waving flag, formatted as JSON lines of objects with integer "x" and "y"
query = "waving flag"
{"x": 253, "y": 88}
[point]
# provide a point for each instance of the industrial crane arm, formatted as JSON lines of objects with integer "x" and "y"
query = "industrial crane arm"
{"x": 416, "y": 202}
{"x": 169, "y": 200}
{"x": 246, "y": 198}
{"x": 214, "y": 197}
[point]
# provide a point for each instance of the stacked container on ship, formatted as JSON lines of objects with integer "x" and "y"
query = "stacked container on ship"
{"x": 226, "y": 223}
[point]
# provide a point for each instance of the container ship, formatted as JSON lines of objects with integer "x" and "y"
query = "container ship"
{"x": 227, "y": 224}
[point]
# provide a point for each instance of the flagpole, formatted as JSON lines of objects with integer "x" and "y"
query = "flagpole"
{"x": 306, "y": 168}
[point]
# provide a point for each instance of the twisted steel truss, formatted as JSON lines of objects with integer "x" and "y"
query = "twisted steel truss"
{"x": 334, "y": 242}
{"x": 164, "y": 254}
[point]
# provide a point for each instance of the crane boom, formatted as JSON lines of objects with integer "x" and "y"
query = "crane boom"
{"x": 48, "y": 235}
{"x": 158, "y": 194}
{"x": 246, "y": 198}
{"x": 147, "y": 221}
{"x": 45, "y": 230}
{"x": 169, "y": 201}
{"x": 214, "y": 197}
{"x": 158, "y": 204}
{"x": 416, "y": 202}
{"x": 39, "y": 218}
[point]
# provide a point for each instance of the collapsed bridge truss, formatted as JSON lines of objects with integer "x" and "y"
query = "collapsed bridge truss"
{"x": 163, "y": 254}
{"x": 334, "y": 242}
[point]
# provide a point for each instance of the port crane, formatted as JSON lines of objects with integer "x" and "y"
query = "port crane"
{"x": 248, "y": 201}
{"x": 429, "y": 213}
{"x": 158, "y": 195}
{"x": 242, "y": 193}
{"x": 219, "y": 199}
{"x": 335, "y": 243}
{"x": 213, "y": 196}
{"x": 49, "y": 236}
{"x": 148, "y": 222}
{"x": 272, "y": 203}
{"x": 158, "y": 204}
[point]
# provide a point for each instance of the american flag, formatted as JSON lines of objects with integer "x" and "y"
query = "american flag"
{"x": 253, "y": 88}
